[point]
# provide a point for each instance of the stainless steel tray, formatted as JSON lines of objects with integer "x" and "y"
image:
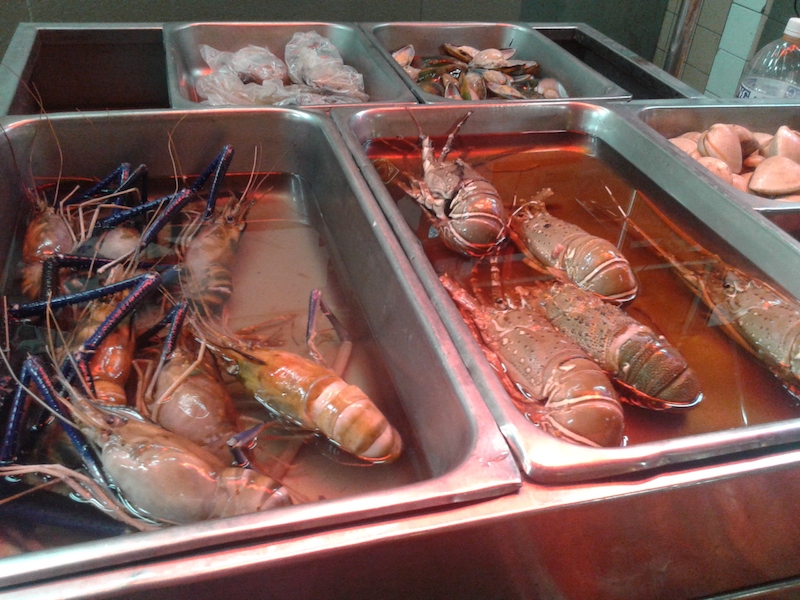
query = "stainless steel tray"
{"x": 672, "y": 118}
{"x": 53, "y": 67}
{"x": 640, "y": 77}
{"x": 668, "y": 119}
{"x": 579, "y": 80}
{"x": 185, "y": 64}
{"x": 725, "y": 530}
{"x": 643, "y": 163}
{"x": 455, "y": 452}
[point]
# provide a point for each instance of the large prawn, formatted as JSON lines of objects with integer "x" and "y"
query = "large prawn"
{"x": 308, "y": 394}
{"x": 207, "y": 253}
{"x": 142, "y": 460}
{"x": 186, "y": 395}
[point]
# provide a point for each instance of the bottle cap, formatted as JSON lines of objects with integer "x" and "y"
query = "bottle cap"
{"x": 792, "y": 28}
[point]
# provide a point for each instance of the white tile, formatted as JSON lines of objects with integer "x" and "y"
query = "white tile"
{"x": 693, "y": 77}
{"x": 757, "y": 5}
{"x": 659, "y": 57}
{"x": 674, "y": 6}
{"x": 713, "y": 15}
{"x": 666, "y": 31}
{"x": 725, "y": 74}
{"x": 703, "y": 49}
{"x": 741, "y": 31}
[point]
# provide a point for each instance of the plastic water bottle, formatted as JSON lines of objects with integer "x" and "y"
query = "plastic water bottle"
{"x": 774, "y": 71}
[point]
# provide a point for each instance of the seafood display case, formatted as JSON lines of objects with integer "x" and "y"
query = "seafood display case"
{"x": 488, "y": 498}
{"x": 609, "y": 177}
{"x": 578, "y": 80}
{"x": 312, "y": 224}
{"x": 726, "y": 530}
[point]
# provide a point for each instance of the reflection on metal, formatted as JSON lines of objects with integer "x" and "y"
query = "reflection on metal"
{"x": 681, "y": 38}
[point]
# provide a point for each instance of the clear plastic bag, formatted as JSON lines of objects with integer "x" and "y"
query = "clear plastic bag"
{"x": 254, "y": 75}
{"x": 315, "y": 61}
{"x": 252, "y": 63}
{"x": 224, "y": 87}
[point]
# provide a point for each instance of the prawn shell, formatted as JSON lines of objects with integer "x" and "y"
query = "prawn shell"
{"x": 591, "y": 262}
{"x": 315, "y": 398}
{"x": 169, "y": 478}
{"x": 47, "y": 234}
{"x": 241, "y": 491}
{"x": 110, "y": 366}
{"x": 160, "y": 473}
{"x": 206, "y": 277}
{"x": 200, "y": 408}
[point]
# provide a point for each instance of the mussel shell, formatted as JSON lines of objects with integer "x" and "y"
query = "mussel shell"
{"x": 404, "y": 55}
{"x": 472, "y": 86}
{"x": 521, "y": 67}
{"x": 494, "y": 76}
{"x": 527, "y": 87}
{"x": 464, "y": 53}
{"x": 452, "y": 68}
{"x": 505, "y": 91}
{"x": 492, "y": 58}
{"x": 431, "y": 86}
{"x": 452, "y": 89}
{"x": 434, "y": 62}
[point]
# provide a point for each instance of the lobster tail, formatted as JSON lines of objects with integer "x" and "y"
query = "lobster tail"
{"x": 596, "y": 264}
{"x": 652, "y": 369}
{"x": 592, "y": 263}
{"x": 646, "y": 364}
{"x": 539, "y": 365}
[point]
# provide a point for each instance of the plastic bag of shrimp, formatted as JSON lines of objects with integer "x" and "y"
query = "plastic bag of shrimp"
{"x": 313, "y": 60}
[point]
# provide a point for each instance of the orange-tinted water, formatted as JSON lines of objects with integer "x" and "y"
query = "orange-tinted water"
{"x": 589, "y": 182}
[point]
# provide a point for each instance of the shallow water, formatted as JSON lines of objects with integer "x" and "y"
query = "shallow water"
{"x": 590, "y": 183}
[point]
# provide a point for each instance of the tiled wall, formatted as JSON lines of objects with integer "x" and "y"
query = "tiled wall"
{"x": 727, "y": 35}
